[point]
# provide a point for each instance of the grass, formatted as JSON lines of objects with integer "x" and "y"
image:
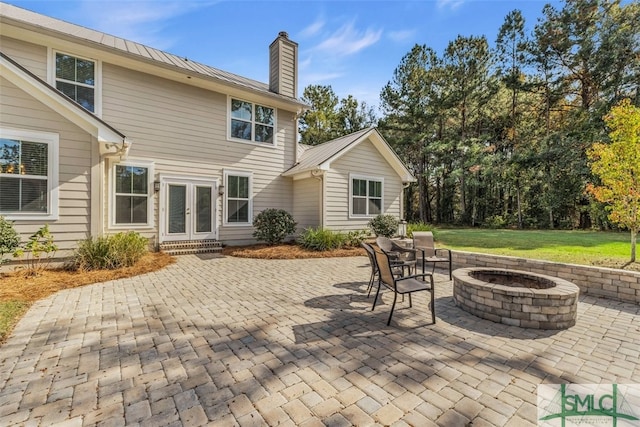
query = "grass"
{"x": 18, "y": 290}
{"x": 572, "y": 247}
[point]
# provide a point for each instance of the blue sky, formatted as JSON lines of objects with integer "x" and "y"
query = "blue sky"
{"x": 354, "y": 46}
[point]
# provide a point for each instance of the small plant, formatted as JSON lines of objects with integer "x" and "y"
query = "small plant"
{"x": 273, "y": 225}
{"x": 354, "y": 239}
{"x": 384, "y": 225}
{"x": 39, "y": 251}
{"x": 127, "y": 248}
{"x": 320, "y": 239}
{"x": 110, "y": 252}
{"x": 9, "y": 239}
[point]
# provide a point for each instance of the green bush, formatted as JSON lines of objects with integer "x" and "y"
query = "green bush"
{"x": 495, "y": 222}
{"x": 273, "y": 225}
{"x": 9, "y": 239}
{"x": 418, "y": 226}
{"x": 354, "y": 239}
{"x": 320, "y": 239}
{"x": 110, "y": 252}
{"x": 384, "y": 225}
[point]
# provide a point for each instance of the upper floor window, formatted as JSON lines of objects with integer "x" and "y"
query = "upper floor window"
{"x": 76, "y": 78}
{"x": 366, "y": 196}
{"x": 252, "y": 122}
{"x": 28, "y": 177}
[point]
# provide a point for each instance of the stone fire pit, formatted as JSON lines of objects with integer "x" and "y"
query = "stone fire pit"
{"x": 517, "y": 298}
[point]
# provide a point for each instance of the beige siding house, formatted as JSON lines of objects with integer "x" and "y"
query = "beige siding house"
{"x": 99, "y": 134}
{"x": 345, "y": 182}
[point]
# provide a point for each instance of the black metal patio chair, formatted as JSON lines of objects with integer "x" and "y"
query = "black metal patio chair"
{"x": 402, "y": 285}
{"x": 423, "y": 242}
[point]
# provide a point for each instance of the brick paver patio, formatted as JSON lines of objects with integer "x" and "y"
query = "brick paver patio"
{"x": 229, "y": 341}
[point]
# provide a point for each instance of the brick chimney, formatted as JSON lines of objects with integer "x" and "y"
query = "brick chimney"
{"x": 283, "y": 66}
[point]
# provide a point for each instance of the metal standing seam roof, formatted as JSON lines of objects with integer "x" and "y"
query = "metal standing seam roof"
{"x": 131, "y": 48}
{"x": 313, "y": 157}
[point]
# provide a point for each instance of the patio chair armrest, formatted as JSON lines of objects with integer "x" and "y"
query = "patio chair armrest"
{"x": 398, "y": 248}
{"x": 448, "y": 251}
{"x": 416, "y": 276}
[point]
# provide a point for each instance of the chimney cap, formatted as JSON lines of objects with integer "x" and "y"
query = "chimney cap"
{"x": 283, "y": 34}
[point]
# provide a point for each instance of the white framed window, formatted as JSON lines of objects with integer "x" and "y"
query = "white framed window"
{"x": 77, "y": 78}
{"x": 131, "y": 194}
{"x": 365, "y": 196}
{"x": 28, "y": 175}
{"x": 251, "y": 122}
{"x": 238, "y": 198}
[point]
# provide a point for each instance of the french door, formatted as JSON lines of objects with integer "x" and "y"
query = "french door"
{"x": 187, "y": 208}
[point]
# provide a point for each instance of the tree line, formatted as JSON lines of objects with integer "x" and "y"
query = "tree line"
{"x": 499, "y": 136}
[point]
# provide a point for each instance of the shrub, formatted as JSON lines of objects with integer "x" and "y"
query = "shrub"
{"x": 320, "y": 239}
{"x": 273, "y": 225}
{"x": 384, "y": 225}
{"x": 9, "y": 239}
{"x": 495, "y": 222}
{"x": 418, "y": 226}
{"x": 110, "y": 252}
{"x": 39, "y": 250}
{"x": 354, "y": 239}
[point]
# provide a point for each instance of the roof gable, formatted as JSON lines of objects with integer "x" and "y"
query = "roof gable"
{"x": 112, "y": 141}
{"x": 320, "y": 157}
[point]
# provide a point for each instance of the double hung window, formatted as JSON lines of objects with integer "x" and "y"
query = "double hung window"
{"x": 252, "y": 122}
{"x": 238, "y": 204}
{"x": 366, "y": 196}
{"x": 76, "y": 78}
{"x": 132, "y": 203}
{"x": 28, "y": 174}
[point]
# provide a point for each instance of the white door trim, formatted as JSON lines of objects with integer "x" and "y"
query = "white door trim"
{"x": 190, "y": 182}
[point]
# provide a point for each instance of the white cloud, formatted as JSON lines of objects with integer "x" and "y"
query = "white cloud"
{"x": 347, "y": 40}
{"x": 449, "y": 4}
{"x": 320, "y": 78}
{"x": 305, "y": 63}
{"x": 312, "y": 29}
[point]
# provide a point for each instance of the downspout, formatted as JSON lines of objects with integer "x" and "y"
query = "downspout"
{"x": 318, "y": 174}
{"x": 405, "y": 185}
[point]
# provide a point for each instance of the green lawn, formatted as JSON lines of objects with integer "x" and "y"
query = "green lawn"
{"x": 576, "y": 247}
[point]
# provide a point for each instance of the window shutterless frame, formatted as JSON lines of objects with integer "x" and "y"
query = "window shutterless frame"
{"x": 251, "y": 123}
{"x": 78, "y": 77}
{"x": 29, "y": 174}
{"x": 366, "y": 196}
{"x": 131, "y": 195}
{"x": 238, "y": 198}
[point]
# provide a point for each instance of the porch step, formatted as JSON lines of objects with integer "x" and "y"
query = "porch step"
{"x": 184, "y": 247}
